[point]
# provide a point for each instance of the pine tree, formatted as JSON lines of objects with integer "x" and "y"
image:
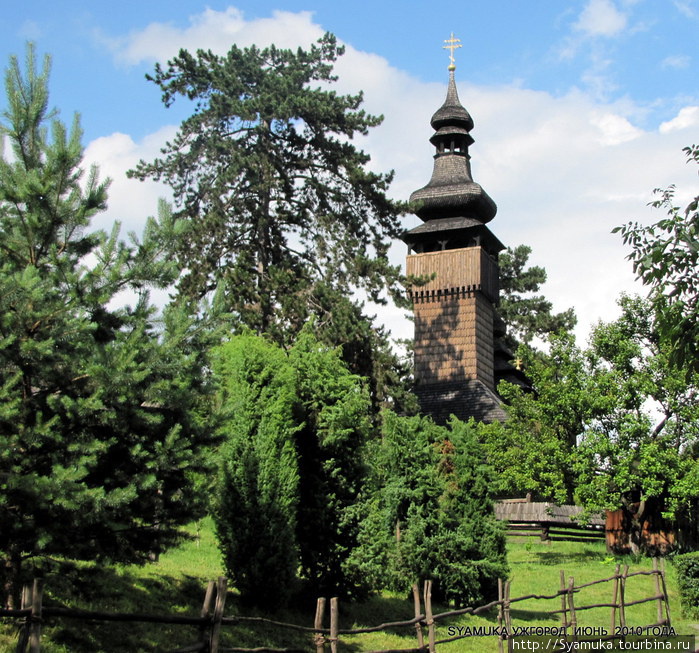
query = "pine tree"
{"x": 100, "y": 435}
{"x": 281, "y": 203}
{"x": 285, "y": 217}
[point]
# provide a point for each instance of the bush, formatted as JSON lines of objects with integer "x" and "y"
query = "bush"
{"x": 291, "y": 469}
{"x": 430, "y": 515}
{"x": 687, "y": 566}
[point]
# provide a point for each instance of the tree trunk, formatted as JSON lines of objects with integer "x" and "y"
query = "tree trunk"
{"x": 10, "y": 578}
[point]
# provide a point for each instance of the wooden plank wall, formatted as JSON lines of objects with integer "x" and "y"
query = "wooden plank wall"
{"x": 468, "y": 268}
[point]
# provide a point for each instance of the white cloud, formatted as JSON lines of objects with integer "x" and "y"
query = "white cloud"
{"x": 601, "y": 18}
{"x": 614, "y": 129}
{"x": 686, "y": 7}
{"x": 130, "y": 201}
{"x": 563, "y": 170}
{"x": 216, "y": 31}
{"x": 676, "y": 61}
{"x": 687, "y": 117}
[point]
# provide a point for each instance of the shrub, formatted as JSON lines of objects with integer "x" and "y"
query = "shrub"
{"x": 687, "y": 565}
{"x": 292, "y": 467}
{"x": 430, "y": 515}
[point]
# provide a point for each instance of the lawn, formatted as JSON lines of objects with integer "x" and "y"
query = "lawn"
{"x": 176, "y": 584}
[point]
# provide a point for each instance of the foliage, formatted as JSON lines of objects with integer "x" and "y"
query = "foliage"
{"x": 430, "y": 515}
{"x": 280, "y": 202}
{"x": 257, "y": 494}
{"x": 292, "y": 468}
{"x": 533, "y": 451}
{"x": 527, "y": 315}
{"x": 624, "y": 420}
{"x": 665, "y": 257}
{"x": 101, "y": 436}
{"x": 687, "y": 565}
{"x": 366, "y": 349}
{"x": 643, "y": 446}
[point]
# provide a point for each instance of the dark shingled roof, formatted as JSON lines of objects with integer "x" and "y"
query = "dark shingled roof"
{"x": 463, "y": 399}
{"x": 453, "y": 227}
{"x": 451, "y": 191}
{"x": 543, "y": 513}
{"x": 452, "y": 112}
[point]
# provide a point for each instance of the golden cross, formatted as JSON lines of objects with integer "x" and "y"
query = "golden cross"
{"x": 518, "y": 363}
{"x": 453, "y": 43}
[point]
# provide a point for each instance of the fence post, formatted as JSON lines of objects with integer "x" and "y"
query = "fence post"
{"x": 35, "y": 625}
{"x": 501, "y": 646}
{"x": 334, "y": 626}
{"x": 615, "y": 597}
{"x": 571, "y": 605}
{"x": 205, "y": 610}
{"x": 418, "y": 614}
{"x": 622, "y": 597}
{"x": 564, "y": 609}
{"x": 508, "y": 616}
{"x": 431, "y": 639}
{"x": 667, "y": 598}
{"x": 221, "y": 588}
{"x": 656, "y": 577}
{"x": 26, "y": 603}
{"x": 319, "y": 638}
{"x": 544, "y": 537}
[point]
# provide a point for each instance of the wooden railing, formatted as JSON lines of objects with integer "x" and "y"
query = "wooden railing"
{"x": 211, "y": 620}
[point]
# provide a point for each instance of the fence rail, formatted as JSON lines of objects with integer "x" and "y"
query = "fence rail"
{"x": 211, "y": 620}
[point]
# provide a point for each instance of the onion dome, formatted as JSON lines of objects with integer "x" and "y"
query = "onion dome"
{"x": 452, "y": 193}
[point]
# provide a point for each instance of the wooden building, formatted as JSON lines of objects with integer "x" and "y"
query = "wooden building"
{"x": 459, "y": 357}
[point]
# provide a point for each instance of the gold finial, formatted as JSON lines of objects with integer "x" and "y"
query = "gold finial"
{"x": 518, "y": 363}
{"x": 452, "y": 44}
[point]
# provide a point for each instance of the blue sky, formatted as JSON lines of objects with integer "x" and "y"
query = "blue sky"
{"x": 581, "y": 107}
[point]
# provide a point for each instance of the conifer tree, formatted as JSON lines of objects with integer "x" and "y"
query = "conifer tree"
{"x": 99, "y": 430}
{"x": 292, "y": 469}
{"x": 526, "y": 314}
{"x": 285, "y": 216}
{"x": 429, "y": 513}
{"x": 256, "y": 497}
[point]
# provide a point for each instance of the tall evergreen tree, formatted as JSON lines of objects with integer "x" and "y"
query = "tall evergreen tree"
{"x": 283, "y": 208}
{"x": 100, "y": 436}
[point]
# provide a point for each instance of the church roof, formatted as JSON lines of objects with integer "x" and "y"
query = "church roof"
{"x": 463, "y": 399}
{"x": 451, "y": 191}
{"x": 446, "y": 227}
{"x": 452, "y": 113}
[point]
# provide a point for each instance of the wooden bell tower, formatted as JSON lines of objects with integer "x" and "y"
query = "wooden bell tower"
{"x": 455, "y": 318}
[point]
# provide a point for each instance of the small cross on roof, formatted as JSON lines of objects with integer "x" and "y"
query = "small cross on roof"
{"x": 452, "y": 44}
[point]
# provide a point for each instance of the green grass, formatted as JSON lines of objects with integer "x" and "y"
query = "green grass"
{"x": 176, "y": 584}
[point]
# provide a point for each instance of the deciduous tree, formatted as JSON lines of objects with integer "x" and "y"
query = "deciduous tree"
{"x": 665, "y": 256}
{"x": 612, "y": 426}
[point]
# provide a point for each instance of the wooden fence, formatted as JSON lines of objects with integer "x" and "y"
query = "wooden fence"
{"x": 211, "y": 620}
